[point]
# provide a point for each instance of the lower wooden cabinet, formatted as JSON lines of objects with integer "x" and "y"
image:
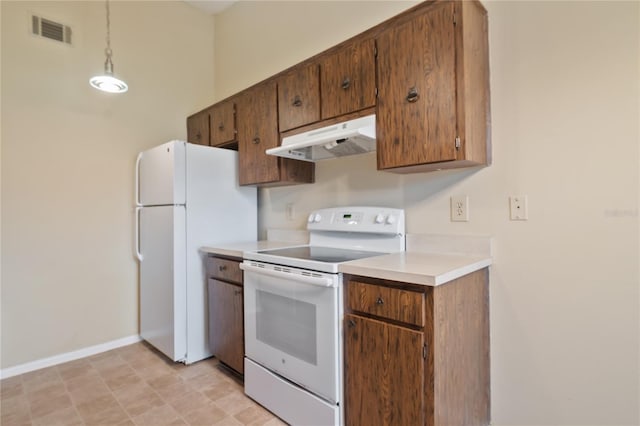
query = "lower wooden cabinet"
{"x": 385, "y": 373}
{"x": 417, "y": 355}
{"x": 226, "y": 311}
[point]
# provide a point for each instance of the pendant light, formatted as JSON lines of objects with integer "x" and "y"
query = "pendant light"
{"x": 107, "y": 82}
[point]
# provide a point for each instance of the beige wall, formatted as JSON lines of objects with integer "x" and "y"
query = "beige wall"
{"x": 69, "y": 278}
{"x": 564, "y": 285}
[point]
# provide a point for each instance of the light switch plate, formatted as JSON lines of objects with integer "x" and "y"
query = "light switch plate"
{"x": 290, "y": 211}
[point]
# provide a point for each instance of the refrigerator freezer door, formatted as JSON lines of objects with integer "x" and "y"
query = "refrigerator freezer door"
{"x": 161, "y": 175}
{"x": 163, "y": 289}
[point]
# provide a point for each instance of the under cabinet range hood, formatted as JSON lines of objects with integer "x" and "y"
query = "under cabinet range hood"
{"x": 351, "y": 137}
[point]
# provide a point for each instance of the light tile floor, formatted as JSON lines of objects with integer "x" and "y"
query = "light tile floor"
{"x": 132, "y": 385}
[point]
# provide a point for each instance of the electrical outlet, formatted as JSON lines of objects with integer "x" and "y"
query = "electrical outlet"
{"x": 460, "y": 208}
{"x": 518, "y": 207}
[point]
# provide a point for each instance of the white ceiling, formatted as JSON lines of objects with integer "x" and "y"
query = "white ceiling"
{"x": 210, "y": 6}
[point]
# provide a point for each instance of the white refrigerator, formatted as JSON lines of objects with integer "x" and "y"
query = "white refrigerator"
{"x": 187, "y": 197}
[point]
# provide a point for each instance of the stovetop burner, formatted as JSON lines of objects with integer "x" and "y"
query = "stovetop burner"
{"x": 338, "y": 235}
{"x": 321, "y": 254}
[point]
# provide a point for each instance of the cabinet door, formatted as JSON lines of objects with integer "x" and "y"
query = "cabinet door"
{"x": 416, "y": 111}
{"x": 226, "y": 330}
{"x": 257, "y": 121}
{"x": 299, "y": 97}
{"x": 198, "y": 128}
{"x": 223, "y": 123}
{"x": 348, "y": 79}
{"x": 384, "y": 373}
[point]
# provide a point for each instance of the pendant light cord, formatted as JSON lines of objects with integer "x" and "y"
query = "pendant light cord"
{"x": 108, "y": 63}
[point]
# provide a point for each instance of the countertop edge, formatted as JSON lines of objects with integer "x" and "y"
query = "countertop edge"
{"x": 401, "y": 267}
{"x": 404, "y": 273}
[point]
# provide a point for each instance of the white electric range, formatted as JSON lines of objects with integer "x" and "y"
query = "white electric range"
{"x": 293, "y": 311}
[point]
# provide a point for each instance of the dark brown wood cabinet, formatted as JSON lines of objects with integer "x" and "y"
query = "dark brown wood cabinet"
{"x": 198, "y": 128}
{"x": 257, "y": 121}
{"x": 417, "y": 355}
{"x": 348, "y": 79}
{"x": 424, "y": 73}
{"x": 388, "y": 387}
{"x": 341, "y": 82}
{"x": 299, "y": 97}
{"x": 226, "y": 312}
{"x": 222, "y": 118}
{"x": 433, "y": 89}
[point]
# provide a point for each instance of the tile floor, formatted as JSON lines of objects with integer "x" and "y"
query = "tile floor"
{"x": 132, "y": 385}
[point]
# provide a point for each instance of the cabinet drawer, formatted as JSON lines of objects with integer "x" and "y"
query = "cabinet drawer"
{"x": 224, "y": 269}
{"x": 392, "y": 303}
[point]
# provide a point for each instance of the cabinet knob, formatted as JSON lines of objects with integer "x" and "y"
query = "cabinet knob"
{"x": 379, "y": 301}
{"x": 221, "y": 127}
{"x": 256, "y": 141}
{"x": 297, "y": 102}
{"x": 222, "y": 268}
{"x": 346, "y": 83}
{"x": 237, "y": 292}
{"x": 352, "y": 323}
{"x": 413, "y": 95}
{"x": 198, "y": 135}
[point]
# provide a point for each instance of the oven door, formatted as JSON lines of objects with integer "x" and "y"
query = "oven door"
{"x": 291, "y": 319}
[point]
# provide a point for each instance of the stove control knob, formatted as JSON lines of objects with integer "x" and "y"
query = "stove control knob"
{"x": 310, "y": 219}
{"x": 379, "y": 218}
{"x": 317, "y": 217}
{"x": 391, "y": 220}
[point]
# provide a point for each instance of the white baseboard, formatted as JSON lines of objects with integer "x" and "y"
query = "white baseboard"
{"x": 66, "y": 357}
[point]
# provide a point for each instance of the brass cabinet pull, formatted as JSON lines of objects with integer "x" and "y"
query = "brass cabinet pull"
{"x": 413, "y": 95}
{"x": 346, "y": 83}
{"x": 256, "y": 141}
{"x": 379, "y": 301}
{"x": 297, "y": 102}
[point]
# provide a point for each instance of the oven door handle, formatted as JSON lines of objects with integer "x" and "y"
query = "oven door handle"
{"x": 317, "y": 281}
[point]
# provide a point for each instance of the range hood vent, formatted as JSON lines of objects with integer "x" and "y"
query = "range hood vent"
{"x": 351, "y": 137}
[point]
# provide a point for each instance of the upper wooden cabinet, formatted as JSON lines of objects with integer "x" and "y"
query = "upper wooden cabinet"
{"x": 257, "y": 121}
{"x": 342, "y": 83}
{"x": 214, "y": 126}
{"x": 348, "y": 79}
{"x": 433, "y": 90}
{"x": 198, "y": 128}
{"x": 299, "y": 97}
{"x": 222, "y": 117}
{"x": 424, "y": 73}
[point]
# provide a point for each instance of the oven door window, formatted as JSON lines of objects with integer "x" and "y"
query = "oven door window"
{"x": 287, "y": 324}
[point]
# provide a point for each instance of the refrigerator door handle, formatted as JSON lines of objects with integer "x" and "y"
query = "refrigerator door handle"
{"x": 138, "y": 179}
{"x": 137, "y": 234}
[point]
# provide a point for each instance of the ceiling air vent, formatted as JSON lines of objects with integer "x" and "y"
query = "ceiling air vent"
{"x": 50, "y": 29}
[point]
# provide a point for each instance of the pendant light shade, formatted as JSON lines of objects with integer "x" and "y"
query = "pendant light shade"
{"x": 107, "y": 82}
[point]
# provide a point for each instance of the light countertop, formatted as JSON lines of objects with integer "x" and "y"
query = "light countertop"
{"x": 414, "y": 267}
{"x": 429, "y": 260}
